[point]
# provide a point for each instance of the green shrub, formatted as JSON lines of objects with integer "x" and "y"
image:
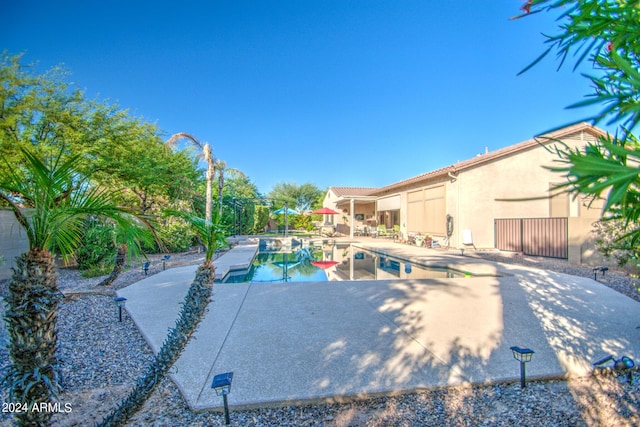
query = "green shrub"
{"x": 261, "y": 217}
{"x": 614, "y": 240}
{"x": 98, "y": 246}
{"x": 304, "y": 222}
{"x": 96, "y": 271}
{"x": 175, "y": 234}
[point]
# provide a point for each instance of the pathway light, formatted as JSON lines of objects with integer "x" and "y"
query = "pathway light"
{"x": 121, "y": 302}
{"x": 164, "y": 260}
{"x": 523, "y": 355}
{"x": 222, "y": 386}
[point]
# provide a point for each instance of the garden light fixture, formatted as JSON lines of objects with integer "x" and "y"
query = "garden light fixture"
{"x": 164, "y": 260}
{"x": 222, "y": 386}
{"x": 603, "y": 270}
{"x": 121, "y": 302}
{"x": 523, "y": 355}
{"x": 625, "y": 363}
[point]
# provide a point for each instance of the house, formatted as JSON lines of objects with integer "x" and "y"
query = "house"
{"x": 494, "y": 195}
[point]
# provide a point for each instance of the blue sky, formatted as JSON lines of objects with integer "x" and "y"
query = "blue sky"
{"x": 346, "y": 93}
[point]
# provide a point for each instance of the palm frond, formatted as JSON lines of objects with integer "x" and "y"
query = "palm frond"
{"x": 212, "y": 234}
{"x": 50, "y": 203}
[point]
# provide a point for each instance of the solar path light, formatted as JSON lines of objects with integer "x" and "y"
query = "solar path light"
{"x": 523, "y": 355}
{"x": 164, "y": 260}
{"x": 603, "y": 270}
{"x": 222, "y": 386}
{"x": 120, "y": 301}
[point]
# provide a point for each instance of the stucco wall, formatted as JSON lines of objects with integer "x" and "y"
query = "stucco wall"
{"x": 13, "y": 241}
{"x": 476, "y": 193}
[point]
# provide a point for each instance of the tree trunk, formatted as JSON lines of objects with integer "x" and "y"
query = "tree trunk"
{"x": 193, "y": 310}
{"x": 32, "y": 308}
{"x": 121, "y": 257}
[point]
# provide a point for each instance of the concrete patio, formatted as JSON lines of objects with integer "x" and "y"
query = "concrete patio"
{"x": 300, "y": 342}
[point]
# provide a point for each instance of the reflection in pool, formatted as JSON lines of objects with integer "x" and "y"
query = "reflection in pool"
{"x": 329, "y": 263}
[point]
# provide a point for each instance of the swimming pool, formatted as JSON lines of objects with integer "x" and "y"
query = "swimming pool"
{"x": 333, "y": 263}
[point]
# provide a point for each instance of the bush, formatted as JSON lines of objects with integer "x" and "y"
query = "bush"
{"x": 304, "y": 222}
{"x": 176, "y": 235}
{"x": 261, "y": 217}
{"x": 98, "y": 246}
{"x": 614, "y": 241}
{"x": 96, "y": 272}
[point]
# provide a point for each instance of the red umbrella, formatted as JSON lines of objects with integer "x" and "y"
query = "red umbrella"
{"x": 324, "y": 264}
{"x": 325, "y": 211}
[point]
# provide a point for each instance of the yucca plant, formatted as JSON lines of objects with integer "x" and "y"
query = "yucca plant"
{"x": 194, "y": 307}
{"x": 50, "y": 201}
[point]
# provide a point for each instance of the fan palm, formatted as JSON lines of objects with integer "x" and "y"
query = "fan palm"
{"x": 221, "y": 167}
{"x": 50, "y": 200}
{"x": 122, "y": 237}
{"x": 194, "y": 307}
{"x": 208, "y": 157}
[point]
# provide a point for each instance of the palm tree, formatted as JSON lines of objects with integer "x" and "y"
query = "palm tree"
{"x": 193, "y": 310}
{"x": 122, "y": 237}
{"x": 50, "y": 200}
{"x": 221, "y": 167}
{"x": 208, "y": 157}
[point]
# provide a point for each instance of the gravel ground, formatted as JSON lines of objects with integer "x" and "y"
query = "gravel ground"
{"x": 101, "y": 357}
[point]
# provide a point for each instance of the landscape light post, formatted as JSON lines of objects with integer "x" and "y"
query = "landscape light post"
{"x": 222, "y": 386}
{"x": 121, "y": 302}
{"x": 523, "y": 355}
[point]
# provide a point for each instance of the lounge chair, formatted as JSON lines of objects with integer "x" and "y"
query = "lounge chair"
{"x": 396, "y": 232}
{"x": 382, "y": 230}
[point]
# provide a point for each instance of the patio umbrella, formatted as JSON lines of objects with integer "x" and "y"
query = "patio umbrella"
{"x": 324, "y": 264}
{"x": 325, "y": 211}
{"x": 286, "y": 211}
{"x": 285, "y": 265}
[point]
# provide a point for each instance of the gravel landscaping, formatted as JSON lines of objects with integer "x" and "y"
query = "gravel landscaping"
{"x": 101, "y": 357}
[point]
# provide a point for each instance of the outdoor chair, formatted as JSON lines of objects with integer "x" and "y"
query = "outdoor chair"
{"x": 396, "y": 232}
{"x": 382, "y": 230}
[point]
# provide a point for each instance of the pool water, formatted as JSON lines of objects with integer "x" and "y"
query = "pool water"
{"x": 320, "y": 264}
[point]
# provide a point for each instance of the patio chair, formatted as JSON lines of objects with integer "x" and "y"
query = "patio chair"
{"x": 467, "y": 240}
{"x": 382, "y": 230}
{"x": 396, "y": 232}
